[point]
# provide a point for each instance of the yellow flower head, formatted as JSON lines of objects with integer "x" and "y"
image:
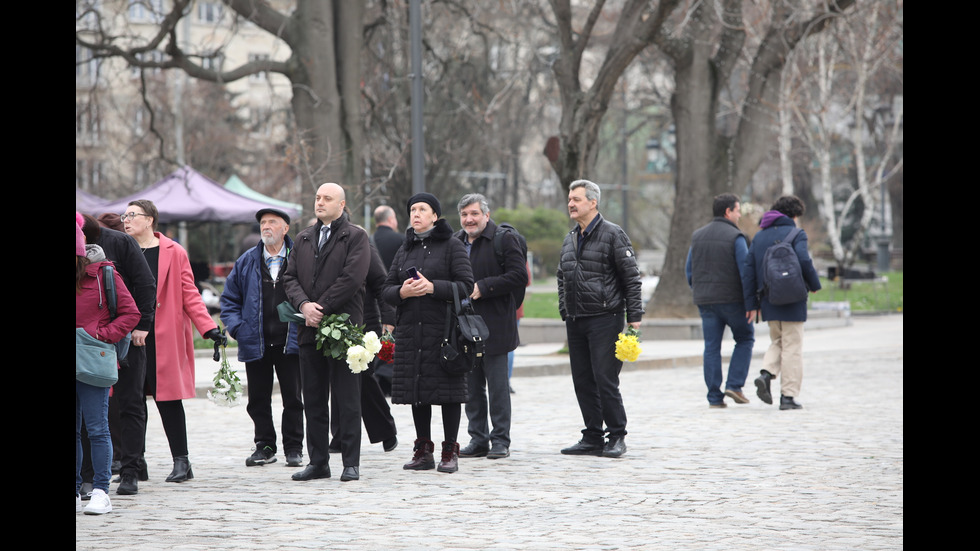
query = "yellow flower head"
{"x": 628, "y": 346}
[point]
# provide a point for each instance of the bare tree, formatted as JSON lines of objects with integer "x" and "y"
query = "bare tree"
{"x": 725, "y": 120}
{"x": 325, "y": 39}
{"x": 847, "y": 104}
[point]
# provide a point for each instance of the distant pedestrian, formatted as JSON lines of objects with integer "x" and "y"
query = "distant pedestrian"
{"x": 387, "y": 236}
{"x": 266, "y": 345}
{"x": 715, "y": 266}
{"x": 598, "y": 283}
{"x": 785, "y": 354}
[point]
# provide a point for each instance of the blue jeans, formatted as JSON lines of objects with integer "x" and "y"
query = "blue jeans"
{"x": 714, "y": 318}
{"x": 92, "y": 408}
{"x": 595, "y": 373}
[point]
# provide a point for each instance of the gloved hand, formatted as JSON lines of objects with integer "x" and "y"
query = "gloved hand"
{"x": 218, "y": 336}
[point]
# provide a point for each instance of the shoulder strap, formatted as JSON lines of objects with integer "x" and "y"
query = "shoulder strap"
{"x": 791, "y": 236}
{"x": 109, "y": 283}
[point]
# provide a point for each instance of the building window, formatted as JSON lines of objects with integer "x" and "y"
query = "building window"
{"x": 152, "y": 57}
{"x": 88, "y": 126}
{"x": 142, "y": 175}
{"x": 145, "y": 11}
{"x": 141, "y": 119}
{"x": 209, "y": 12}
{"x": 89, "y": 174}
{"x": 258, "y": 77}
{"x": 86, "y": 68}
{"x": 87, "y": 14}
{"x": 213, "y": 63}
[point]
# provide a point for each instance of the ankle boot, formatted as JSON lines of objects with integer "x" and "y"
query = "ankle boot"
{"x": 422, "y": 460}
{"x": 182, "y": 470}
{"x": 450, "y": 458}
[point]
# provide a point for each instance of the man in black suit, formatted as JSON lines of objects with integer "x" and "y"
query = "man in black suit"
{"x": 387, "y": 237}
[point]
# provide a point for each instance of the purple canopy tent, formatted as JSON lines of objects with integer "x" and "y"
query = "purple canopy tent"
{"x": 186, "y": 195}
{"x": 88, "y": 203}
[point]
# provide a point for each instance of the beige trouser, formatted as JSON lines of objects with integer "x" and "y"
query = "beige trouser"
{"x": 785, "y": 355}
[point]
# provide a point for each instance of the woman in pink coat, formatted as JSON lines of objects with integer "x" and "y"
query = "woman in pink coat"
{"x": 170, "y": 345}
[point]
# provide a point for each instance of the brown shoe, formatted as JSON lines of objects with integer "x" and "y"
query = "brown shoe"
{"x": 450, "y": 458}
{"x": 737, "y": 396}
{"x": 422, "y": 460}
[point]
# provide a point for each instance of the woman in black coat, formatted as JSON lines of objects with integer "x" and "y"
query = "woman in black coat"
{"x": 440, "y": 263}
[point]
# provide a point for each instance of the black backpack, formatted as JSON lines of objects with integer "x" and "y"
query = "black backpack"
{"x": 782, "y": 276}
{"x": 498, "y": 249}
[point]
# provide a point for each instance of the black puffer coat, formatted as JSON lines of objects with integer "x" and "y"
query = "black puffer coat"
{"x": 604, "y": 279}
{"x": 420, "y": 321}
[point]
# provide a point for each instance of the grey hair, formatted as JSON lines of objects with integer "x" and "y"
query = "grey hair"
{"x": 471, "y": 198}
{"x": 591, "y": 189}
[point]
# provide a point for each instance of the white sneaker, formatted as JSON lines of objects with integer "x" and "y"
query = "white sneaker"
{"x": 78, "y": 503}
{"x": 99, "y": 504}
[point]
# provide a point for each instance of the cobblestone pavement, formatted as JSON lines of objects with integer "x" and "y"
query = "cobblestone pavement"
{"x": 829, "y": 476}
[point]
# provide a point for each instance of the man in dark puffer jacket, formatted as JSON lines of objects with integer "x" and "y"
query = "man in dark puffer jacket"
{"x": 598, "y": 280}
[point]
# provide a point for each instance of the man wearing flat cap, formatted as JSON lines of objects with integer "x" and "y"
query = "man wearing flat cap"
{"x": 266, "y": 344}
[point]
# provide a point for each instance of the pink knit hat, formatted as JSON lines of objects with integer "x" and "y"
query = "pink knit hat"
{"x": 79, "y": 236}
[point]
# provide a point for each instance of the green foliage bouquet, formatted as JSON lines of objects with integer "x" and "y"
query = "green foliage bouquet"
{"x": 340, "y": 339}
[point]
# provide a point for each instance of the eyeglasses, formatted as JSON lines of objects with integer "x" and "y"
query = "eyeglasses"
{"x": 130, "y": 215}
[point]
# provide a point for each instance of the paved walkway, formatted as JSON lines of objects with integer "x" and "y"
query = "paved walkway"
{"x": 830, "y": 476}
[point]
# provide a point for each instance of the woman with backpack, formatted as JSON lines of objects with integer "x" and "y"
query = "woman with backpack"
{"x": 785, "y": 354}
{"x": 92, "y": 316}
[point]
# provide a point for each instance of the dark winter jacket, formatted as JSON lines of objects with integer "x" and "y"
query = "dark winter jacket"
{"x": 333, "y": 278}
{"x": 125, "y": 254}
{"x": 713, "y": 272}
{"x": 496, "y": 304}
{"x": 752, "y": 277}
{"x": 377, "y": 312}
{"x": 242, "y": 305}
{"x": 420, "y": 321}
{"x": 604, "y": 279}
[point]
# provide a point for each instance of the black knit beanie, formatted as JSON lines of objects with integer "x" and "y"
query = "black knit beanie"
{"x": 425, "y": 198}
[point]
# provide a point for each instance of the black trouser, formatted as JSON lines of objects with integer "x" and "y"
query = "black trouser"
{"x": 260, "y": 383}
{"x": 375, "y": 411}
{"x": 325, "y": 378}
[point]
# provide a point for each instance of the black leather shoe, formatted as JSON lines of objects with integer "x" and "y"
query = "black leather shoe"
{"x": 787, "y": 402}
{"x": 313, "y": 471}
{"x": 390, "y": 444}
{"x": 128, "y": 485}
{"x": 182, "y": 470}
{"x": 583, "y": 448}
{"x": 498, "y": 451}
{"x": 762, "y": 387}
{"x": 472, "y": 450}
{"x": 350, "y": 473}
{"x": 294, "y": 459}
{"x": 616, "y": 447}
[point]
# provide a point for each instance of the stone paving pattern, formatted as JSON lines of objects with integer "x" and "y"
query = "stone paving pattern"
{"x": 829, "y": 476}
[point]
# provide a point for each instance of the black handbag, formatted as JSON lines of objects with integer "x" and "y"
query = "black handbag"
{"x": 464, "y": 337}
